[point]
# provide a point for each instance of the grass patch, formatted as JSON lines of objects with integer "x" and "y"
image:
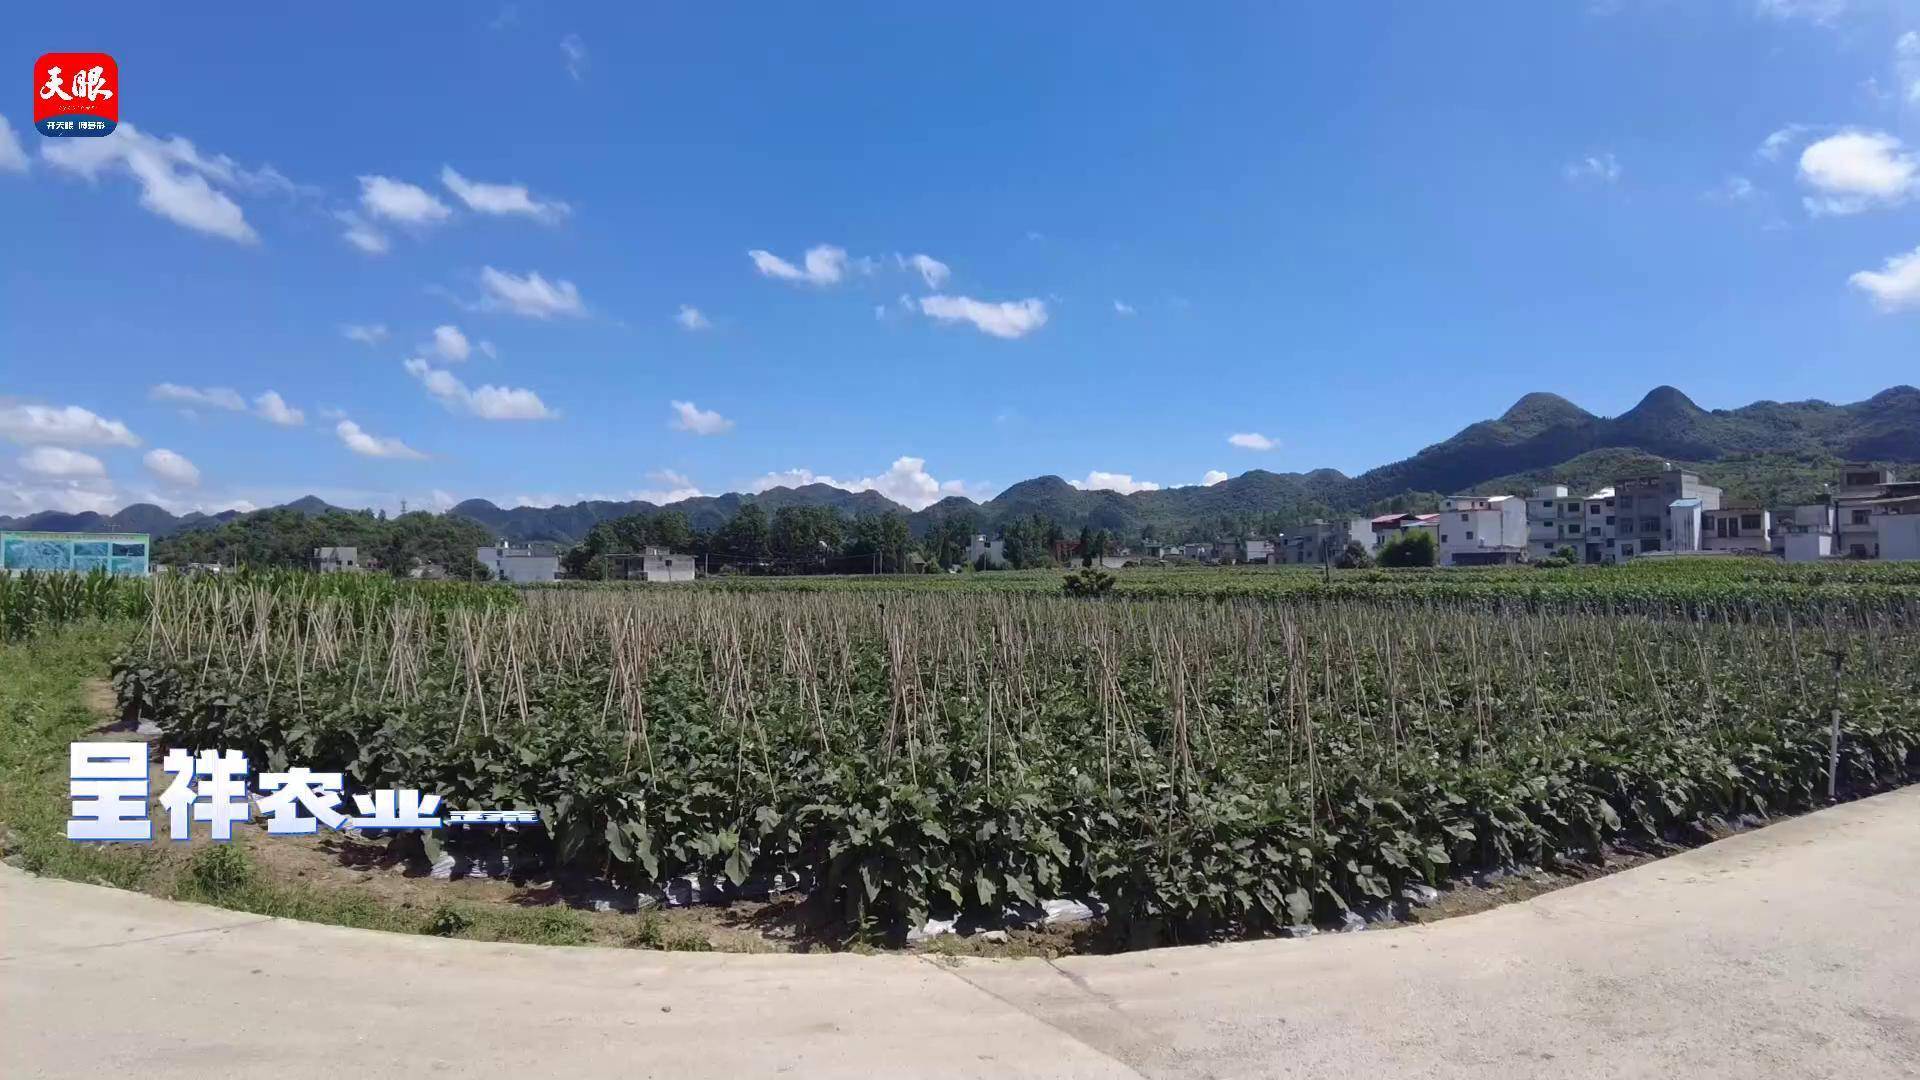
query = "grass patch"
{"x": 653, "y": 932}
{"x": 43, "y": 707}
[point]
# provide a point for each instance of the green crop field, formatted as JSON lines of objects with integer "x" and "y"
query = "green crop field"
{"x": 1733, "y": 587}
{"x": 918, "y": 747}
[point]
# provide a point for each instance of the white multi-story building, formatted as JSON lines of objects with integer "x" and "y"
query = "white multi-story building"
{"x": 335, "y": 560}
{"x": 1323, "y": 541}
{"x": 1478, "y": 530}
{"x": 993, "y": 551}
{"x": 1899, "y": 534}
{"x": 522, "y": 566}
{"x": 1744, "y": 529}
{"x": 1870, "y": 515}
{"x": 1803, "y": 533}
{"x": 1597, "y": 527}
{"x": 1554, "y": 521}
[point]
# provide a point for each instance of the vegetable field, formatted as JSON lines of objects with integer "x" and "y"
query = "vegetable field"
{"x": 1711, "y": 586}
{"x": 1203, "y": 769}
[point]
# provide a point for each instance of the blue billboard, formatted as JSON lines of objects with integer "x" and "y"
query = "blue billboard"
{"x": 78, "y": 553}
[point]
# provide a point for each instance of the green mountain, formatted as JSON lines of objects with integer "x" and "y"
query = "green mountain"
{"x": 1770, "y": 451}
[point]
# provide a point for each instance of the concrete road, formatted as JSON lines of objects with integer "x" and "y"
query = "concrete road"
{"x": 1791, "y": 951}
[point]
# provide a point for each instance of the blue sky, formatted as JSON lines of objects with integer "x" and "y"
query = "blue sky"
{"x": 994, "y": 242}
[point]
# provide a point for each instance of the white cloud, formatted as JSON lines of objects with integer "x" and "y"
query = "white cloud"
{"x": 59, "y": 463}
{"x": 823, "y": 265}
{"x": 1121, "y": 307}
{"x": 372, "y": 334}
{"x": 575, "y": 52}
{"x": 673, "y": 488}
{"x": 1123, "y": 483}
{"x": 173, "y": 177}
{"x": 691, "y": 318}
{"x": 441, "y": 500}
{"x": 1598, "y": 168}
{"x": 1895, "y": 287}
{"x": 69, "y": 496}
{"x": 1006, "y": 319}
{"x": 690, "y": 417}
{"x": 906, "y": 482}
{"x": 212, "y": 397}
{"x": 271, "y": 407}
{"x": 932, "y": 271}
{"x": 1855, "y": 170}
{"x": 1214, "y": 476}
{"x": 501, "y": 198}
{"x": 1818, "y": 11}
{"x": 13, "y": 156}
{"x": 450, "y": 343}
{"x": 485, "y": 402}
{"x": 401, "y": 202}
{"x": 55, "y": 426}
{"x": 1734, "y": 189}
{"x": 532, "y": 296}
{"x": 1252, "y": 440}
{"x": 1776, "y": 144}
{"x": 361, "y": 234}
{"x": 1906, "y": 65}
{"x": 793, "y": 478}
{"x": 171, "y": 468}
{"x": 544, "y": 499}
{"x": 374, "y": 446}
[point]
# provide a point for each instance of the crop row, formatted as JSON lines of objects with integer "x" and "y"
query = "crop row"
{"x": 1201, "y": 769}
{"x": 31, "y": 602}
{"x": 1692, "y": 588}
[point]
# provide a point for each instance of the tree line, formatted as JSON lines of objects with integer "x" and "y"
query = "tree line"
{"x": 287, "y": 538}
{"x": 795, "y": 540}
{"x": 792, "y": 540}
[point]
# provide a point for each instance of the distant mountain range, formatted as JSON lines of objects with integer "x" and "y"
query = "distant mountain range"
{"x": 1768, "y": 451}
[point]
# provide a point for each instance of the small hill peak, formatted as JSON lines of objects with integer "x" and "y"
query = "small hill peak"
{"x": 1665, "y": 400}
{"x": 1539, "y": 402}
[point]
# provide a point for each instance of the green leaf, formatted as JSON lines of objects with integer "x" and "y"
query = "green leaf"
{"x": 738, "y": 864}
{"x": 617, "y": 843}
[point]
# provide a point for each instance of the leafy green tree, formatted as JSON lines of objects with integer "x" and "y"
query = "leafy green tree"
{"x": 1353, "y": 557}
{"x": 950, "y": 537}
{"x": 806, "y": 537}
{"x": 885, "y": 535}
{"x": 745, "y": 536}
{"x": 1030, "y": 541}
{"x": 1415, "y": 547}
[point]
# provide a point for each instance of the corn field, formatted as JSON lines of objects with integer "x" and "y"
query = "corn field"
{"x": 31, "y": 602}
{"x": 1203, "y": 769}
